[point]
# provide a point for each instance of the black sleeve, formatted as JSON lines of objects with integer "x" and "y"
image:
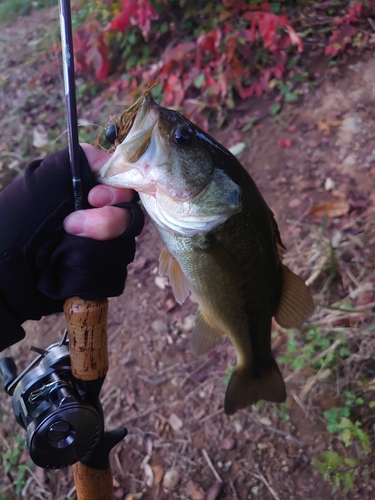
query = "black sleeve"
{"x": 40, "y": 264}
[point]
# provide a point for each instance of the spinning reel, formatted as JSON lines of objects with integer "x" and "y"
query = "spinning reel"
{"x": 62, "y": 415}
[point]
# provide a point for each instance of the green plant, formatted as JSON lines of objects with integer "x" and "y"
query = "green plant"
{"x": 341, "y": 470}
{"x": 11, "y": 9}
{"x": 19, "y": 472}
{"x": 338, "y": 422}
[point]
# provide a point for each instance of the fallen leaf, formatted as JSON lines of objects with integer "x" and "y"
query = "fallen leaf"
{"x": 40, "y": 138}
{"x": 149, "y": 475}
{"x": 171, "y": 478}
{"x": 284, "y": 143}
{"x": 238, "y": 149}
{"x": 175, "y": 422}
{"x": 215, "y": 490}
{"x": 334, "y": 208}
{"x": 161, "y": 282}
{"x": 228, "y": 444}
{"x": 296, "y": 202}
{"x": 194, "y": 491}
{"x": 199, "y": 413}
{"x": 158, "y": 473}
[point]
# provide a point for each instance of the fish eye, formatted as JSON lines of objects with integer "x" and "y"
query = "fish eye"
{"x": 183, "y": 136}
{"x": 111, "y": 132}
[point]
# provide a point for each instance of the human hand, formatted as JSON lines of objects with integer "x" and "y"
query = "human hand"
{"x": 105, "y": 221}
{"x": 41, "y": 264}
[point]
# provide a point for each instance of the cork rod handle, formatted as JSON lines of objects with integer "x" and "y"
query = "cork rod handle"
{"x": 87, "y": 330}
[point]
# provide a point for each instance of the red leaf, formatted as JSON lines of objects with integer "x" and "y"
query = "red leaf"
{"x": 339, "y": 39}
{"x": 284, "y": 143}
{"x": 121, "y": 22}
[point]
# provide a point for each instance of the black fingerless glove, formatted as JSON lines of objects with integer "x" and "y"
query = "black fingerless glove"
{"x": 40, "y": 264}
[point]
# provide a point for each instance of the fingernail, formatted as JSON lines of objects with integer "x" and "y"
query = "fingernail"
{"x": 75, "y": 224}
{"x": 101, "y": 197}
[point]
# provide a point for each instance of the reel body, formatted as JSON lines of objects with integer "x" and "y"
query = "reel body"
{"x": 63, "y": 423}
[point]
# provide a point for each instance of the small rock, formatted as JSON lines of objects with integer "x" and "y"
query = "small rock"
{"x": 237, "y": 426}
{"x": 159, "y": 326}
{"x": 329, "y": 184}
{"x": 265, "y": 421}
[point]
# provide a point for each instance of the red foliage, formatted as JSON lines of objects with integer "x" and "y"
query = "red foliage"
{"x": 344, "y": 34}
{"x": 90, "y": 50}
{"x": 134, "y": 12}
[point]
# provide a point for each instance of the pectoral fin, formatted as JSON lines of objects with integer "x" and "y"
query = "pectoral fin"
{"x": 204, "y": 337}
{"x": 169, "y": 266}
{"x": 296, "y": 303}
{"x": 222, "y": 257}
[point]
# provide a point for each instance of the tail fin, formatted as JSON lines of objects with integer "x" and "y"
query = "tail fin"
{"x": 244, "y": 389}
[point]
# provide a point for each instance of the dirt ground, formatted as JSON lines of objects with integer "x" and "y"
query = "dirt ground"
{"x": 170, "y": 401}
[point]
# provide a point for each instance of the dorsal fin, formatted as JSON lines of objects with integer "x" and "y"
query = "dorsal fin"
{"x": 169, "y": 266}
{"x": 204, "y": 337}
{"x": 296, "y": 303}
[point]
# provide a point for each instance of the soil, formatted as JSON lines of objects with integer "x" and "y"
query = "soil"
{"x": 170, "y": 401}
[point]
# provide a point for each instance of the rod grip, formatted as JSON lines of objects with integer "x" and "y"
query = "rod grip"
{"x": 87, "y": 331}
{"x": 92, "y": 483}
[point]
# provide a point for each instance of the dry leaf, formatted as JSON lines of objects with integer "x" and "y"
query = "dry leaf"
{"x": 194, "y": 491}
{"x": 161, "y": 282}
{"x": 40, "y": 138}
{"x": 175, "y": 422}
{"x": 284, "y": 143}
{"x": 171, "y": 478}
{"x": 215, "y": 490}
{"x": 228, "y": 444}
{"x": 334, "y": 208}
{"x": 158, "y": 473}
{"x": 149, "y": 475}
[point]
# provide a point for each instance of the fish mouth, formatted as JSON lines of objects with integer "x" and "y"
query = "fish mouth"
{"x": 126, "y": 167}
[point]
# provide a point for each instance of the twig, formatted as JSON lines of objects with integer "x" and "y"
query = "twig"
{"x": 285, "y": 434}
{"x": 311, "y": 384}
{"x": 271, "y": 490}
{"x": 217, "y": 412}
{"x": 140, "y": 414}
{"x": 209, "y": 463}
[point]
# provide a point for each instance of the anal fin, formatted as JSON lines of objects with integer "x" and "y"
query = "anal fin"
{"x": 169, "y": 266}
{"x": 204, "y": 337}
{"x": 296, "y": 303}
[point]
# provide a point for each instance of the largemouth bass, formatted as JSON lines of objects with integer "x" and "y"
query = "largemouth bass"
{"x": 222, "y": 242}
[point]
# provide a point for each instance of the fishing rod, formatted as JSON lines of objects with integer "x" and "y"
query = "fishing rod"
{"x": 86, "y": 320}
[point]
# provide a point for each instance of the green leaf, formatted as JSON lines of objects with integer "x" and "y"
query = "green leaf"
{"x": 275, "y": 108}
{"x": 249, "y": 125}
{"x": 238, "y": 149}
{"x": 199, "y": 81}
{"x": 290, "y": 97}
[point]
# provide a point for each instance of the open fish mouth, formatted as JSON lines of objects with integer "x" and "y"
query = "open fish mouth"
{"x": 137, "y": 125}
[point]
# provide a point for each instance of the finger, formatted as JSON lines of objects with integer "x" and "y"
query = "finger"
{"x": 103, "y": 223}
{"x": 96, "y": 157}
{"x": 102, "y": 195}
